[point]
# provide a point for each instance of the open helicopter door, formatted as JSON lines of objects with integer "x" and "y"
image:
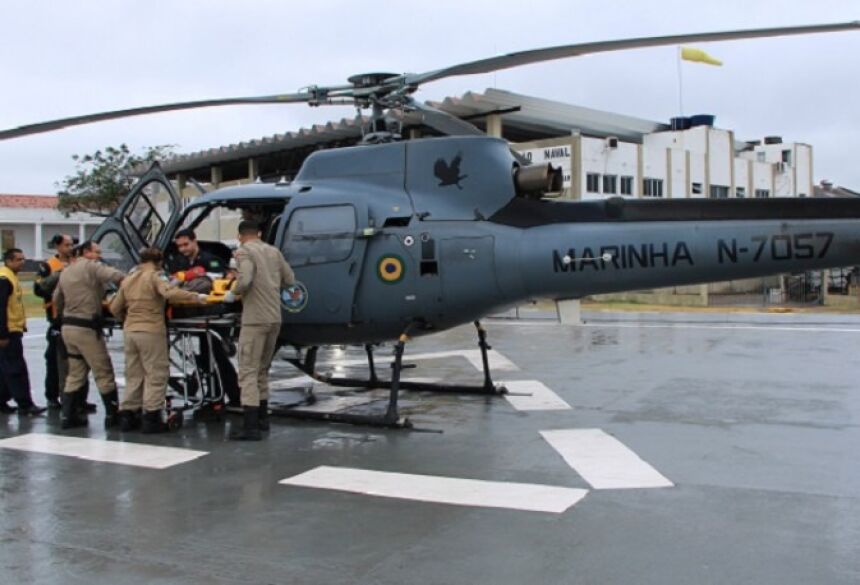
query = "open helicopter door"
{"x": 325, "y": 245}
{"x": 146, "y": 217}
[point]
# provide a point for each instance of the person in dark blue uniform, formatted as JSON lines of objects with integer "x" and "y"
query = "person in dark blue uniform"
{"x": 191, "y": 259}
{"x": 189, "y": 270}
{"x": 14, "y": 377}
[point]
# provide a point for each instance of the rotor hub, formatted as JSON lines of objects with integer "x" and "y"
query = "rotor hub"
{"x": 370, "y": 79}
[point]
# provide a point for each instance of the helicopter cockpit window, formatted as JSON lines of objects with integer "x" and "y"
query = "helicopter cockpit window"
{"x": 144, "y": 215}
{"x": 320, "y": 234}
{"x": 115, "y": 252}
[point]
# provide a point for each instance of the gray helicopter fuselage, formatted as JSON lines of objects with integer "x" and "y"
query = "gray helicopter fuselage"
{"x": 428, "y": 234}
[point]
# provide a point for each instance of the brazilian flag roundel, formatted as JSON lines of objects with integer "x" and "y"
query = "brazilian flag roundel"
{"x": 391, "y": 269}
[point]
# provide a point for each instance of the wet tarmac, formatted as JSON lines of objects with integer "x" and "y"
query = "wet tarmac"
{"x": 751, "y": 421}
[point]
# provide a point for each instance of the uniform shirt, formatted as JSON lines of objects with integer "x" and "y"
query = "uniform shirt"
{"x": 142, "y": 297}
{"x": 208, "y": 261}
{"x": 262, "y": 273}
{"x": 81, "y": 288}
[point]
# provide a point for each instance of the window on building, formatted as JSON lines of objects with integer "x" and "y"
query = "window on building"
{"x": 627, "y": 185}
{"x": 719, "y": 192}
{"x": 610, "y": 184}
{"x": 801, "y": 194}
{"x": 320, "y": 234}
{"x": 762, "y": 193}
{"x": 759, "y": 156}
{"x": 592, "y": 183}
{"x": 740, "y": 192}
{"x": 696, "y": 188}
{"x": 652, "y": 187}
{"x": 786, "y": 157}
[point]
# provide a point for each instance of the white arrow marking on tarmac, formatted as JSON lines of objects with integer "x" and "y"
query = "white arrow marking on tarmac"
{"x": 536, "y": 396}
{"x": 603, "y": 461}
{"x": 442, "y": 490}
{"x": 136, "y": 454}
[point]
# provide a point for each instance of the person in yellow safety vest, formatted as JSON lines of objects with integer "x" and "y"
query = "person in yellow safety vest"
{"x": 13, "y": 323}
{"x": 43, "y": 286}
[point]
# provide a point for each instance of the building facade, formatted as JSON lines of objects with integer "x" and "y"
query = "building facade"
{"x": 696, "y": 162}
{"x": 29, "y": 222}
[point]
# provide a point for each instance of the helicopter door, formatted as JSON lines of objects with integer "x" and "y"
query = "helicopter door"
{"x": 323, "y": 248}
{"x": 145, "y": 217}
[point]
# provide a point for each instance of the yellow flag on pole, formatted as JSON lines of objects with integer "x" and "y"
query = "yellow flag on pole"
{"x": 698, "y": 56}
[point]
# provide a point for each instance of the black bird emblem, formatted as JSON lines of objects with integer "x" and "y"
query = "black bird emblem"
{"x": 449, "y": 174}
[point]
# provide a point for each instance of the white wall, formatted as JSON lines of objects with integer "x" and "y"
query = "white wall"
{"x": 742, "y": 177}
{"x": 721, "y": 158}
{"x": 598, "y": 158}
{"x": 680, "y": 182}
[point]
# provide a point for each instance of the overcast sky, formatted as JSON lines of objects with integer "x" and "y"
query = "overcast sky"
{"x": 77, "y": 57}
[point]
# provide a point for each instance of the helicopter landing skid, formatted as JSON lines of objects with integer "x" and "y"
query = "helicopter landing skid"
{"x": 391, "y": 418}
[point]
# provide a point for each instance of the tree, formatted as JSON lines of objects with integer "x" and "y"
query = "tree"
{"x": 103, "y": 178}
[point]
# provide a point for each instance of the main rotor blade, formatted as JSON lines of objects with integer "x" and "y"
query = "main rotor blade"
{"x": 445, "y": 122}
{"x": 564, "y": 51}
{"x": 78, "y": 120}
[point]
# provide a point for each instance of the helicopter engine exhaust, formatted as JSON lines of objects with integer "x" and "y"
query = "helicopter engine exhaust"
{"x": 537, "y": 180}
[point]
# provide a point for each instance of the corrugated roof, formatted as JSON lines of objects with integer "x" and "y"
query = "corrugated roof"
{"x": 533, "y": 115}
{"x": 318, "y": 134}
{"x": 548, "y": 116}
{"x": 28, "y": 201}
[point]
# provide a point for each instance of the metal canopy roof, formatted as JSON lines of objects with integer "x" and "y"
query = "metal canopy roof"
{"x": 524, "y": 118}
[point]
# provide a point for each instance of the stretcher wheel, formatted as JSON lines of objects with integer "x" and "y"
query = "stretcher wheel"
{"x": 174, "y": 421}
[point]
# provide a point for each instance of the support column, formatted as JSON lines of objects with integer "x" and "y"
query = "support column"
{"x": 569, "y": 311}
{"x": 180, "y": 187}
{"x": 82, "y": 232}
{"x": 253, "y": 169}
{"x": 494, "y": 125}
{"x": 825, "y": 280}
{"x": 216, "y": 178}
{"x": 38, "y": 248}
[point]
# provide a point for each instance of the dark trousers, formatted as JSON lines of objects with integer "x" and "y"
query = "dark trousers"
{"x": 52, "y": 371}
{"x": 14, "y": 378}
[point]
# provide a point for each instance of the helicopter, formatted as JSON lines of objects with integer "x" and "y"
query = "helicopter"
{"x": 394, "y": 239}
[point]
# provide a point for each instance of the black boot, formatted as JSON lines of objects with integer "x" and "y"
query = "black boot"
{"x": 6, "y": 408}
{"x": 111, "y": 402}
{"x": 153, "y": 423}
{"x": 129, "y": 420}
{"x": 263, "y": 419}
{"x": 71, "y": 416}
{"x": 31, "y": 410}
{"x": 250, "y": 427}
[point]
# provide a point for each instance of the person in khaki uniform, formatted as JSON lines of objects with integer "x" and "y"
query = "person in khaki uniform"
{"x": 78, "y": 301}
{"x": 261, "y": 274}
{"x": 140, "y": 305}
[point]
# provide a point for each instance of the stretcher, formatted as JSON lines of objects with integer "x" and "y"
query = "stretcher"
{"x": 195, "y": 333}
